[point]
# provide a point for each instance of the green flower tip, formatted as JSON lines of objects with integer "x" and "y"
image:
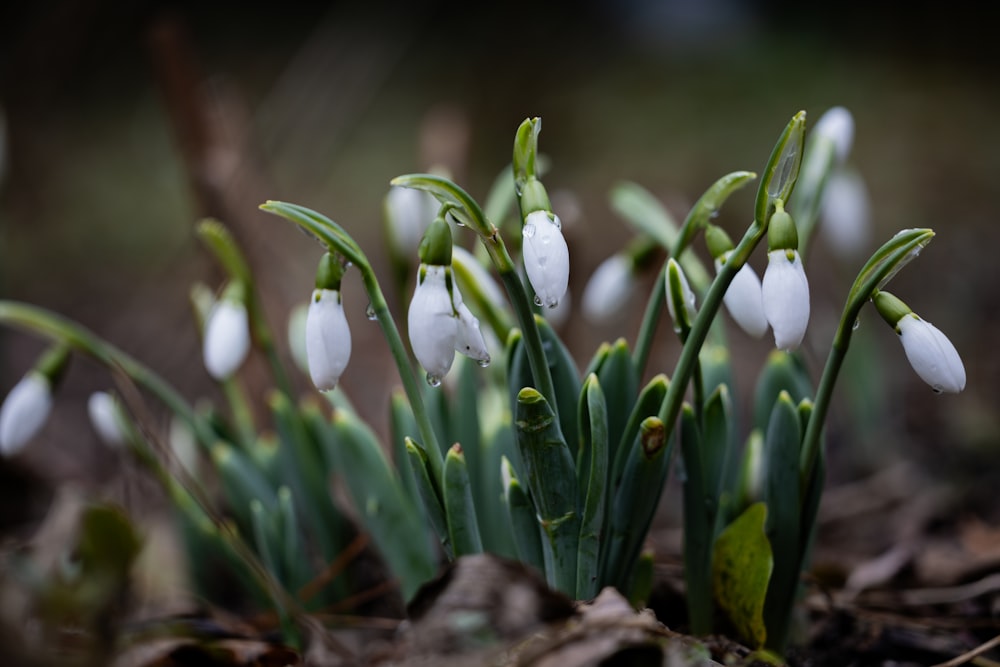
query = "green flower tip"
{"x": 781, "y": 232}
{"x": 330, "y": 272}
{"x": 891, "y": 308}
{"x": 717, "y": 241}
{"x": 435, "y": 248}
{"x": 526, "y": 148}
{"x": 534, "y": 197}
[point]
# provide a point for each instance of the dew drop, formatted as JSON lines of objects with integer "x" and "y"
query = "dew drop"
{"x": 857, "y": 323}
{"x": 483, "y": 363}
{"x": 538, "y": 300}
{"x": 936, "y": 389}
{"x": 370, "y": 312}
{"x": 433, "y": 380}
{"x": 528, "y": 231}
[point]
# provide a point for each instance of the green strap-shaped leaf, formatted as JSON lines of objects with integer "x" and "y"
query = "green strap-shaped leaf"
{"x": 523, "y": 520}
{"x": 494, "y": 519}
{"x": 718, "y": 444}
{"x": 781, "y": 493}
{"x": 459, "y": 508}
{"x": 242, "y": 482}
{"x": 617, "y": 372}
{"x": 648, "y": 404}
{"x": 294, "y": 563}
{"x": 741, "y": 568}
{"x": 305, "y": 460}
{"x": 636, "y": 499}
{"x": 401, "y": 426}
{"x": 430, "y": 494}
{"x": 698, "y": 526}
{"x": 594, "y": 477}
{"x": 551, "y": 476}
{"x": 393, "y": 522}
{"x": 783, "y": 371}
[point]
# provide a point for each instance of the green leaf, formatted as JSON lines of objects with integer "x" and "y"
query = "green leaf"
{"x": 523, "y": 520}
{"x": 242, "y": 482}
{"x": 638, "y": 207}
{"x": 741, "y": 569}
{"x": 648, "y": 404}
{"x": 708, "y": 207}
{"x": 594, "y": 476}
{"x": 392, "y": 520}
{"x": 551, "y": 476}
{"x": 618, "y": 374}
{"x": 460, "y": 511}
{"x": 783, "y": 371}
{"x": 781, "y": 493}
{"x": 430, "y": 494}
{"x": 698, "y": 527}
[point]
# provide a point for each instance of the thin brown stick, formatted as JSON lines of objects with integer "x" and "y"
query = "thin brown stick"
{"x": 971, "y": 655}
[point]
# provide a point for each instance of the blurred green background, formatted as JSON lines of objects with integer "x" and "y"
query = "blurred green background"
{"x": 126, "y": 122}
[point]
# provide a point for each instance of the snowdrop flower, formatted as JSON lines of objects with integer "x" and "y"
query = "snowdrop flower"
{"x": 928, "y": 350}
{"x": 24, "y": 411}
{"x": 440, "y": 324}
{"x": 104, "y": 413}
{"x": 227, "y": 334}
{"x": 679, "y": 290}
{"x": 328, "y": 338}
{"x": 837, "y": 126}
{"x": 28, "y": 404}
{"x": 785, "y": 289}
{"x": 743, "y": 299}
{"x": 846, "y": 214}
{"x": 608, "y": 288}
{"x": 546, "y": 257}
{"x": 408, "y": 212}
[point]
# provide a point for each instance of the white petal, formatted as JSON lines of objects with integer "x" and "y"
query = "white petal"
{"x": 408, "y": 213}
{"x": 432, "y": 323}
{"x": 227, "y": 338}
{"x": 104, "y": 415}
{"x": 24, "y": 412}
{"x": 931, "y": 354}
{"x": 837, "y": 125}
{"x": 469, "y": 340}
{"x": 846, "y": 214}
{"x": 608, "y": 289}
{"x": 328, "y": 339}
{"x": 546, "y": 257}
{"x": 744, "y": 301}
{"x": 785, "y": 297}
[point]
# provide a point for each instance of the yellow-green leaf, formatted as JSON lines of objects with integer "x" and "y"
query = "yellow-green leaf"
{"x": 741, "y": 570}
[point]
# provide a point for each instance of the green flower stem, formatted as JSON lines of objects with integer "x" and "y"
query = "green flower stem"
{"x": 467, "y": 212}
{"x": 650, "y": 320}
{"x": 688, "y": 359}
{"x": 335, "y": 238}
{"x": 876, "y": 272}
{"x": 40, "y": 321}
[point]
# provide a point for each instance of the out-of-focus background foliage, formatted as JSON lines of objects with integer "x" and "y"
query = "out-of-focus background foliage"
{"x": 126, "y": 122}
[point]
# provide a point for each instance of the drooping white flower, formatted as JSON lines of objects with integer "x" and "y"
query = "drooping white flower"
{"x": 608, "y": 288}
{"x": 785, "y": 298}
{"x": 931, "y": 354}
{"x": 227, "y": 338}
{"x": 846, "y": 214}
{"x": 104, "y": 414}
{"x": 440, "y": 324}
{"x": 837, "y": 125}
{"x": 408, "y": 212}
{"x": 743, "y": 299}
{"x": 24, "y": 412}
{"x": 546, "y": 257}
{"x": 328, "y": 338}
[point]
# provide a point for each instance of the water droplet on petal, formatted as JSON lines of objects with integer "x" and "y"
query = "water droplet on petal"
{"x": 483, "y": 363}
{"x": 433, "y": 380}
{"x": 538, "y": 300}
{"x": 937, "y": 389}
{"x": 857, "y": 323}
{"x": 370, "y": 312}
{"x": 529, "y": 230}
